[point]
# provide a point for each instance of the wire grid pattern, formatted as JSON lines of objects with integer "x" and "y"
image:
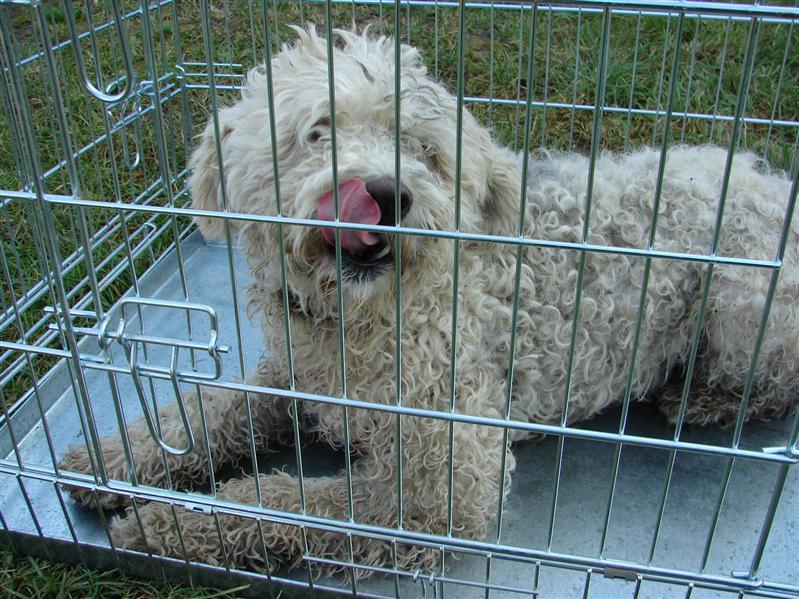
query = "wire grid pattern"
{"x": 102, "y": 102}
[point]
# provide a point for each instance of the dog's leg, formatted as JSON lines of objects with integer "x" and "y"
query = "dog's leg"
{"x": 228, "y": 435}
{"x": 244, "y": 539}
{"x": 475, "y": 493}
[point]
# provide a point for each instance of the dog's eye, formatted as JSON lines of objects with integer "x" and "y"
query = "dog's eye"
{"x": 429, "y": 151}
{"x": 430, "y": 156}
{"x": 318, "y": 131}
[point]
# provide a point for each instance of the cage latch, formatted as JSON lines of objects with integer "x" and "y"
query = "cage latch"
{"x": 135, "y": 343}
{"x": 131, "y": 344}
{"x": 424, "y": 581}
{"x": 198, "y": 509}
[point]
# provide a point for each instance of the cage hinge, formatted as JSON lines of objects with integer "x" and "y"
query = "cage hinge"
{"x": 754, "y": 581}
{"x": 790, "y": 452}
{"x": 625, "y": 573}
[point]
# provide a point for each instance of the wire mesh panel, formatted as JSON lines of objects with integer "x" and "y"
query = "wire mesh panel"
{"x": 218, "y": 408}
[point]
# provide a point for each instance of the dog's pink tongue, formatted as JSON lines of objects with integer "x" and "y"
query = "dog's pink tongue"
{"x": 355, "y": 205}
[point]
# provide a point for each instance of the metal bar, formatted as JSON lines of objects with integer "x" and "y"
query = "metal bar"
{"x": 740, "y": 106}
{"x": 487, "y": 578}
{"x": 602, "y": 68}
{"x": 456, "y": 262}
{"x": 94, "y": 363}
{"x": 783, "y": 243}
{"x": 547, "y": 558}
{"x": 777, "y": 92}
{"x": 783, "y": 472}
{"x": 11, "y": 434}
{"x": 661, "y": 77}
{"x": 435, "y": 36}
{"x": 517, "y": 276}
{"x": 716, "y": 515}
{"x": 29, "y": 506}
{"x": 283, "y": 283}
{"x": 647, "y": 271}
{"x": 517, "y": 103}
{"x": 129, "y": 76}
{"x": 547, "y": 59}
{"x": 404, "y": 230}
{"x": 722, "y": 64}
{"x": 491, "y": 67}
{"x": 68, "y": 520}
{"x": 768, "y": 521}
{"x": 331, "y": 80}
{"x": 112, "y": 23}
{"x": 487, "y": 587}
{"x": 632, "y": 83}
{"x": 610, "y": 109}
{"x": 37, "y": 183}
{"x": 573, "y": 111}
{"x": 47, "y": 337}
{"x": 587, "y": 583}
{"x": 229, "y": 246}
{"x": 656, "y": 7}
{"x": 36, "y": 389}
{"x": 398, "y": 254}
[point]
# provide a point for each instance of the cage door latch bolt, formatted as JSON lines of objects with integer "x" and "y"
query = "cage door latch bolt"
{"x": 140, "y": 348}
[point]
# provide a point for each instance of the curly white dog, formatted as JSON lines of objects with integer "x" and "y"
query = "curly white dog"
{"x": 489, "y": 193}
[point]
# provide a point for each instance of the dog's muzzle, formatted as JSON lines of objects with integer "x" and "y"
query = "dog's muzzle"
{"x": 370, "y": 202}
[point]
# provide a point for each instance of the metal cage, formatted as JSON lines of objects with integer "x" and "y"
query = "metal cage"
{"x": 111, "y": 302}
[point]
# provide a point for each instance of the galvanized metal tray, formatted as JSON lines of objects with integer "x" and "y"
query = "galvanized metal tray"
{"x": 39, "y": 517}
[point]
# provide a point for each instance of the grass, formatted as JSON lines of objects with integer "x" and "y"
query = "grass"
{"x": 566, "y": 56}
{"x": 36, "y": 578}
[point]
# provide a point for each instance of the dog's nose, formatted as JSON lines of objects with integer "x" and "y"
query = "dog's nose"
{"x": 383, "y": 190}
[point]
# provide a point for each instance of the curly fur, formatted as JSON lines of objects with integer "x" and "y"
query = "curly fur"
{"x": 623, "y": 199}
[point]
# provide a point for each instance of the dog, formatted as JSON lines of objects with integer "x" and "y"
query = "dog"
{"x": 453, "y": 471}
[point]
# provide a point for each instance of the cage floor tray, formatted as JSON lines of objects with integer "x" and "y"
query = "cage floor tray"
{"x": 582, "y": 497}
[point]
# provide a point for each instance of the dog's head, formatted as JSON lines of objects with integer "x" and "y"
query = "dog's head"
{"x": 365, "y": 163}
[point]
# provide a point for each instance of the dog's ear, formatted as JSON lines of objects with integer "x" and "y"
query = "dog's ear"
{"x": 411, "y": 59}
{"x": 205, "y": 184}
{"x": 500, "y": 206}
{"x": 496, "y": 179}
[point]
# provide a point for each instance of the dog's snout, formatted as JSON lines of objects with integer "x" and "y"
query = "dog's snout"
{"x": 383, "y": 190}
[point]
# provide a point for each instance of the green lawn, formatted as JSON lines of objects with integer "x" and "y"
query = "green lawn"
{"x": 567, "y": 48}
{"x": 30, "y": 577}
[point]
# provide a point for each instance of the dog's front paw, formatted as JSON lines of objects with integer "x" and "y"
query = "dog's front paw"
{"x": 153, "y": 528}
{"x": 77, "y": 460}
{"x": 126, "y": 533}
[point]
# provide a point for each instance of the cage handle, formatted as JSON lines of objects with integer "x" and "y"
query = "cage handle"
{"x": 84, "y": 76}
{"x": 131, "y": 349}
